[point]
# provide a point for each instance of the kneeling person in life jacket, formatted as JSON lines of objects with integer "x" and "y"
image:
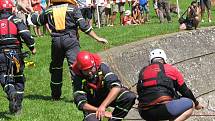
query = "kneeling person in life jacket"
{"x": 157, "y": 89}
{"x": 96, "y": 87}
{"x": 12, "y": 79}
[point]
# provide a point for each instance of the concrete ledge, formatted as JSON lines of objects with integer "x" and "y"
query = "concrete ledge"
{"x": 193, "y": 52}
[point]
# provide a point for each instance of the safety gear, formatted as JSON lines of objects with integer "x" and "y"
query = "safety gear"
{"x": 157, "y": 53}
{"x": 85, "y": 60}
{"x": 8, "y": 32}
{"x": 6, "y": 4}
{"x": 154, "y": 83}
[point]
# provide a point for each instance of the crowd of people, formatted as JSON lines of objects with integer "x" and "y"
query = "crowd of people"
{"x": 101, "y": 13}
{"x": 95, "y": 86}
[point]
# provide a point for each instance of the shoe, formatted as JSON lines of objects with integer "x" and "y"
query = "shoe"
{"x": 209, "y": 20}
{"x": 14, "y": 104}
{"x": 203, "y": 21}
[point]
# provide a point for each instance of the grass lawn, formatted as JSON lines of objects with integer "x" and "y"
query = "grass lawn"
{"x": 37, "y": 105}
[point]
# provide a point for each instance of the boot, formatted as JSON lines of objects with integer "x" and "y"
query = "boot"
{"x": 15, "y": 105}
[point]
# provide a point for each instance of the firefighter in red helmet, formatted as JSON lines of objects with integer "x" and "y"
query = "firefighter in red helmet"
{"x": 96, "y": 87}
{"x": 158, "y": 87}
{"x": 12, "y": 30}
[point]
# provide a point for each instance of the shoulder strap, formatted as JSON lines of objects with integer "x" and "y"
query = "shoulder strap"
{"x": 8, "y": 26}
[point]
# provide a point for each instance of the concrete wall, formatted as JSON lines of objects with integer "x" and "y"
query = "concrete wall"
{"x": 193, "y": 52}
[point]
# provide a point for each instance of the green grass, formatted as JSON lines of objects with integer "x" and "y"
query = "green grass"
{"x": 37, "y": 105}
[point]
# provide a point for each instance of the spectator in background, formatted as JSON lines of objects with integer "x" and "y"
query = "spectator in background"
{"x": 44, "y": 6}
{"x": 144, "y": 8}
{"x": 23, "y": 9}
{"x": 163, "y": 10}
{"x": 38, "y": 9}
{"x": 192, "y": 18}
{"x": 86, "y": 11}
{"x": 100, "y": 13}
{"x": 207, "y": 4}
{"x": 108, "y": 13}
{"x": 118, "y": 6}
{"x": 155, "y": 5}
{"x": 136, "y": 13}
{"x": 128, "y": 19}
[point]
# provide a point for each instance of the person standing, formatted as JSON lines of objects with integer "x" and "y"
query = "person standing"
{"x": 158, "y": 87}
{"x": 85, "y": 7}
{"x": 38, "y": 9}
{"x": 144, "y": 8}
{"x": 207, "y": 4}
{"x": 163, "y": 10}
{"x": 96, "y": 87}
{"x": 12, "y": 30}
{"x": 64, "y": 20}
{"x": 118, "y": 6}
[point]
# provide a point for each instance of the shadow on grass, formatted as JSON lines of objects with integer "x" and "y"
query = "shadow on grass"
{"x": 47, "y": 98}
{"x": 4, "y": 116}
{"x": 38, "y": 97}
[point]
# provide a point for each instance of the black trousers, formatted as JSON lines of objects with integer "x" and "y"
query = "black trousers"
{"x": 121, "y": 105}
{"x": 64, "y": 46}
{"x": 16, "y": 82}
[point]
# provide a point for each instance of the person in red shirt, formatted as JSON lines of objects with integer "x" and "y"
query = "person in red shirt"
{"x": 128, "y": 19}
{"x": 158, "y": 87}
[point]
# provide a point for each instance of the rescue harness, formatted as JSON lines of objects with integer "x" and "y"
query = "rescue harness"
{"x": 154, "y": 79}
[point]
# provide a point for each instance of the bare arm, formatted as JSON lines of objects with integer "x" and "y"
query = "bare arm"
{"x": 93, "y": 35}
{"x": 111, "y": 97}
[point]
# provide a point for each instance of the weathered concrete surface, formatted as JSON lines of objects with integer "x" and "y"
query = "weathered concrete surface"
{"x": 193, "y": 52}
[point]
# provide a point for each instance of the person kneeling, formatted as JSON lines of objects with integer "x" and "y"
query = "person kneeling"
{"x": 192, "y": 20}
{"x": 96, "y": 87}
{"x": 157, "y": 89}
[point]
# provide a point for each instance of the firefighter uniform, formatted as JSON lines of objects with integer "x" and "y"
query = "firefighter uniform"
{"x": 157, "y": 93}
{"x": 65, "y": 40}
{"x": 94, "y": 90}
{"x": 12, "y": 30}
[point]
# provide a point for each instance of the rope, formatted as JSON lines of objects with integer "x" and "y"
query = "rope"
{"x": 205, "y": 93}
{"x": 193, "y": 58}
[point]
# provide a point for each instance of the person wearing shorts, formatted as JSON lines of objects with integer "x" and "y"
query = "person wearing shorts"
{"x": 118, "y": 7}
{"x": 207, "y": 4}
{"x": 144, "y": 9}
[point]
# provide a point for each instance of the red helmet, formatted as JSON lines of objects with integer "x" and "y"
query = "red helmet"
{"x": 85, "y": 60}
{"x": 6, "y": 4}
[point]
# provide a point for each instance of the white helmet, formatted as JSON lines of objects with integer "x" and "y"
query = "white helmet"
{"x": 127, "y": 12}
{"x": 157, "y": 53}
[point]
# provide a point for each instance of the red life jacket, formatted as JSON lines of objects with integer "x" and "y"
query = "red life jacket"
{"x": 8, "y": 32}
{"x": 154, "y": 83}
